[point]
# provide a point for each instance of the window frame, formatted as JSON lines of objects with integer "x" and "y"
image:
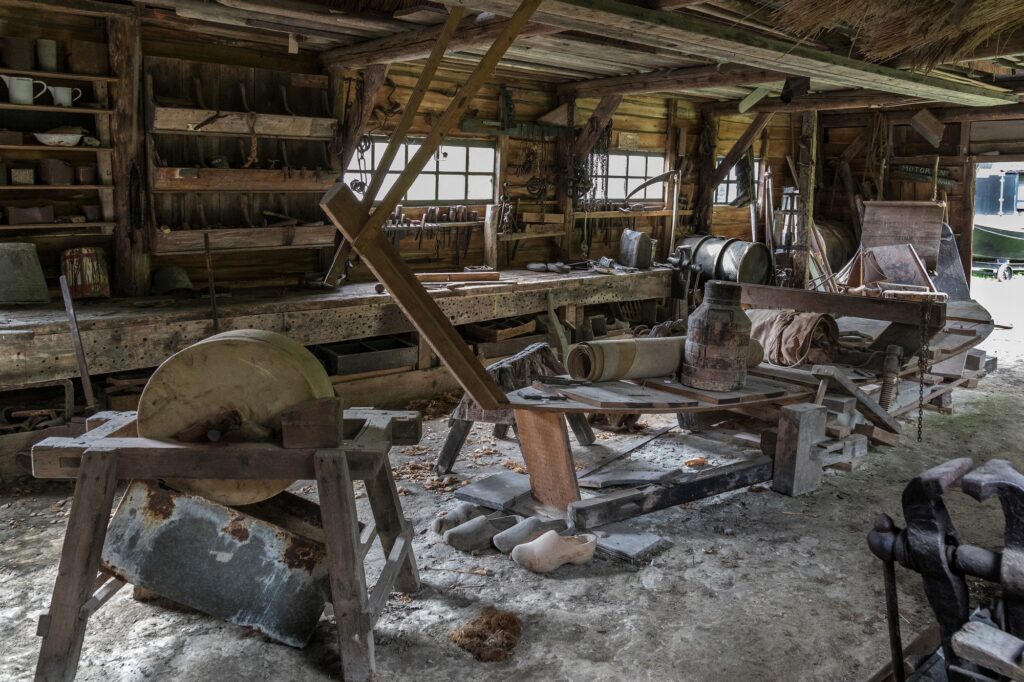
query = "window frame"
{"x": 731, "y": 183}
{"x": 403, "y": 157}
{"x": 617, "y": 179}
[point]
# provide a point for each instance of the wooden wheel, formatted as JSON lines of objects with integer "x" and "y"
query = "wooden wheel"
{"x": 247, "y": 377}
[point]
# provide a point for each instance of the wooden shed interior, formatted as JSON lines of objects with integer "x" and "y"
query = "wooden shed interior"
{"x": 196, "y": 167}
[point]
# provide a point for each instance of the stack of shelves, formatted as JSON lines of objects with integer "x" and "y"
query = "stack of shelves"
{"x": 68, "y": 200}
{"x": 249, "y": 180}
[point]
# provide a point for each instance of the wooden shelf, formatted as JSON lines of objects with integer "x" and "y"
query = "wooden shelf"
{"x": 180, "y": 121}
{"x": 53, "y": 148}
{"x": 56, "y": 226}
{"x": 240, "y": 180}
{"x": 52, "y": 108}
{"x": 244, "y": 239}
{"x": 519, "y": 236}
{"x": 60, "y": 75}
{"x": 660, "y": 213}
{"x": 53, "y": 188}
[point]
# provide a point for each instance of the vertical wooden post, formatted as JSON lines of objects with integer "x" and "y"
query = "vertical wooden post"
{"x": 544, "y": 442}
{"x": 63, "y": 628}
{"x": 807, "y": 169}
{"x": 346, "y": 573}
{"x": 131, "y": 253}
{"x": 391, "y": 524}
{"x": 965, "y": 238}
{"x": 491, "y": 236}
{"x": 361, "y": 109}
{"x": 703, "y": 207}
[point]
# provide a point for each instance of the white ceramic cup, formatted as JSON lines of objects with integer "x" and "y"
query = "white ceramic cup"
{"x": 21, "y": 89}
{"x": 64, "y": 97}
{"x": 46, "y": 54}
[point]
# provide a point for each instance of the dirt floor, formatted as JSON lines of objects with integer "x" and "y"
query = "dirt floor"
{"x": 755, "y": 585}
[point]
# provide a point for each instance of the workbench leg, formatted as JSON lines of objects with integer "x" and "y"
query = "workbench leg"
{"x": 63, "y": 628}
{"x": 458, "y": 432}
{"x": 346, "y": 572}
{"x": 392, "y": 524}
{"x": 501, "y": 431}
{"x": 581, "y": 428}
{"x": 698, "y": 422}
{"x": 544, "y": 442}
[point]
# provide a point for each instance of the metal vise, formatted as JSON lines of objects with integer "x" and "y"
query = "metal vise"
{"x": 931, "y": 546}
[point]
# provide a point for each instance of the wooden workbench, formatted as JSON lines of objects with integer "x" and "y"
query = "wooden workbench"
{"x": 544, "y": 439}
{"x": 128, "y": 334}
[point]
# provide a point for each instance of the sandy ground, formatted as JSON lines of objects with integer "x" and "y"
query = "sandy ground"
{"x": 754, "y": 586}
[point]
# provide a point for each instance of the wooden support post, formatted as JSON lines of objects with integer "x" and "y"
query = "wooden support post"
{"x": 964, "y": 232}
{"x": 702, "y": 208}
{"x": 491, "y": 236}
{"x": 360, "y": 111}
{"x": 131, "y": 253}
{"x": 801, "y": 427}
{"x": 707, "y": 193}
{"x": 63, "y": 628}
{"x": 362, "y": 229}
{"x": 544, "y": 442}
{"x": 581, "y": 428}
{"x": 347, "y": 576}
{"x": 807, "y": 170}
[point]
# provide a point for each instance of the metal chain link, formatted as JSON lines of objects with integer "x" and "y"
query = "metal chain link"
{"x": 923, "y": 356}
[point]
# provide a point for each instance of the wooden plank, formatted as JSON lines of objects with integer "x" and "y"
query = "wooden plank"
{"x": 544, "y": 441}
{"x": 688, "y": 78}
{"x": 237, "y": 123}
{"x": 604, "y": 509}
{"x": 990, "y": 648}
{"x": 242, "y": 239}
{"x": 239, "y": 180}
{"x": 753, "y": 389}
{"x": 624, "y": 395}
{"x": 839, "y": 305}
{"x": 708, "y": 187}
{"x": 801, "y": 427}
{"x": 865, "y": 404}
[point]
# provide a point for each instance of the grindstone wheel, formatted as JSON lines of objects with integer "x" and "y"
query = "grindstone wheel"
{"x": 236, "y": 383}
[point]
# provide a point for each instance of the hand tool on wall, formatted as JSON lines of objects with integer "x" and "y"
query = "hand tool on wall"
{"x": 210, "y": 283}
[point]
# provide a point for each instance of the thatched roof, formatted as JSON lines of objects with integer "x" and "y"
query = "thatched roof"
{"x": 924, "y": 32}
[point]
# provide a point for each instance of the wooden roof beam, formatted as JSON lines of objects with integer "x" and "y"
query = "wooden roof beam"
{"x": 596, "y": 124}
{"x": 831, "y": 101}
{"x": 417, "y": 44}
{"x": 715, "y": 76}
{"x": 694, "y": 35}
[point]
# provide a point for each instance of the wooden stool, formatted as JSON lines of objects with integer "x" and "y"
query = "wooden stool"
{"x": 353, "y": 447}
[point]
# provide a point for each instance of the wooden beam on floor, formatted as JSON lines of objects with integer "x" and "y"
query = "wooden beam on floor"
{"x": 696, "y": 36}
{"x": 693, "y": 77}
{"x": 362, "y": 229}
{"x": 595, "y": 125}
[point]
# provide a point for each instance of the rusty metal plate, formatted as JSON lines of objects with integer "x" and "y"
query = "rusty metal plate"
{"x": 219, "y": 561}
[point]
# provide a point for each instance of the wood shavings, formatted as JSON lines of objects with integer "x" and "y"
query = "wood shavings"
{"x": 492, "y": 636}
{"x": 696, "y": 462}
{"x": 513, "y": 465}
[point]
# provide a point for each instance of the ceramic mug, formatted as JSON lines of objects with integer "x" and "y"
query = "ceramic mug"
{"x": 21, "y": 90}
{"x": 64, "y": 97}
{"x": 46, "y": 54}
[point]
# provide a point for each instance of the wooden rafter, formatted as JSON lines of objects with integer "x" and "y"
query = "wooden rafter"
{"x": 711, "y": 39}
{"x": 715, "y": 76}
{"x": 752, "y": 132}
{"x": 362, "y": 229}
{"x": 596, "y": 124}
{"x": 414, "y": 45}
{"x": 830, "y": 101}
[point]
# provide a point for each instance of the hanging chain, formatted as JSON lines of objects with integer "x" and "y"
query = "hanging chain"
{"x": 923, "y": 357}
{"x": 359, "y": 184}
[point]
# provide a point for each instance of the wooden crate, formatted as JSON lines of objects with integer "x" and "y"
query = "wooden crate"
{"x": 368, "y": 355}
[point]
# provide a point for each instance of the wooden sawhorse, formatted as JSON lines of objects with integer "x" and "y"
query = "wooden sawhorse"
{"x": 323, "y": 445}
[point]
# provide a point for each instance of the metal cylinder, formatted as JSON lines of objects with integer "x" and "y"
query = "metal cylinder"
{"x": 730, "y": 260}
{"x": 890, "y": 376}
{"x": 717, "y": 340}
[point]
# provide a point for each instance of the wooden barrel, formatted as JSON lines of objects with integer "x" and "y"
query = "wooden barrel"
{"x": 86, "y": 271}
{"x": 717, "y": 341}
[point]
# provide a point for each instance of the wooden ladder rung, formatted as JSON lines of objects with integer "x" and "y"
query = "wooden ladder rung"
{"x": 366, "y": 539}
{"x": 101, "y": 596}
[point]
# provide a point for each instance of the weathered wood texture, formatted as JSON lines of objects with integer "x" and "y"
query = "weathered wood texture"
{"x": 544, "y": 441}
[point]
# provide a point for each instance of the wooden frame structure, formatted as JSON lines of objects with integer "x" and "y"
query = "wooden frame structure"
{"x": 335, "y": 454}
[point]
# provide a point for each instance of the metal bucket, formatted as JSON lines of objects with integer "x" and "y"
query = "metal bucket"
{"x": 86, "y": 271}
{"x": 21, "y": 275}
{"x": 730, "y": 260}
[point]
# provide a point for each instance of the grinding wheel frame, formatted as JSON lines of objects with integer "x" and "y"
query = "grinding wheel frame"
{"x": 250, "y": 374}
